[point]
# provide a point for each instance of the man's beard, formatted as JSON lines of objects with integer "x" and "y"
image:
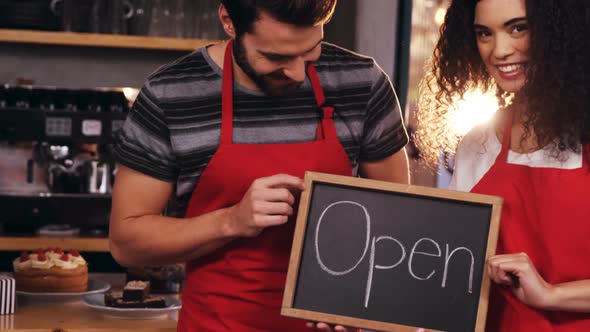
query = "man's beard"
{"x": 267, "y": 83}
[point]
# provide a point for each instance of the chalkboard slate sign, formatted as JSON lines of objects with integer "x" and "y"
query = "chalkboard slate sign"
{"x": 391, "y": 257}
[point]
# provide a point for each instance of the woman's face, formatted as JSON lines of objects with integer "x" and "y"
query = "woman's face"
{"x": 502, "y": 34}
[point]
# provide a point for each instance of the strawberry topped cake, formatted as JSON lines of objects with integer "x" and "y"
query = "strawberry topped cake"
{"x": 51, "y": 270}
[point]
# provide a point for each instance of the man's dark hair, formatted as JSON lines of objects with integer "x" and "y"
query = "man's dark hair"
{"x": 301, "y": 13}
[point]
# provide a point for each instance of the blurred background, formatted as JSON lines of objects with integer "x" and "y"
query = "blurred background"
{"x": 70, "y": 69}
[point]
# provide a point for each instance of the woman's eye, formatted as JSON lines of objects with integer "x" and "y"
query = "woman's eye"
{"x": 482, "y": 34}
{"x": 520, "y": 28}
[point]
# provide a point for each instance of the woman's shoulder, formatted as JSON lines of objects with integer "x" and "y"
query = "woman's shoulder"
{"x": 480, "y": 139}
{"x": 475, "y": 155}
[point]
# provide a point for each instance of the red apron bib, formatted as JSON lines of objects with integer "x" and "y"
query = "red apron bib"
{"x": 546, "y": 215}
{"x": 240, "y": 286}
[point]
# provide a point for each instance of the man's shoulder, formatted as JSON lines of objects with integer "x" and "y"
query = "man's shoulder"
{"x": 339, "y": 57}
{"x": 339, "y": 67}
{"x": 193, "y": 68}
{"x": 193, "y": 62}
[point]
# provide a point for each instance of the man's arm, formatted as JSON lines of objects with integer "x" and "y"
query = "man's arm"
{"x": 393, "y": 168}
{"x": 139, "y": 235}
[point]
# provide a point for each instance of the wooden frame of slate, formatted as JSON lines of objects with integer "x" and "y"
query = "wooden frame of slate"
{"x": 391, "y": 257}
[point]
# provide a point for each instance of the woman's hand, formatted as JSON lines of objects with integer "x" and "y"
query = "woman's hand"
{"x": 517, "y": 271}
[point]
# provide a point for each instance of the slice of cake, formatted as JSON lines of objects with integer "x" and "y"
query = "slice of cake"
{"x": 51, "y": 270}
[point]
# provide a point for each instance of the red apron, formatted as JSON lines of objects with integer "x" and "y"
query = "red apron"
{"x": 546, "y": 215}
{"x": 240, "y": 286}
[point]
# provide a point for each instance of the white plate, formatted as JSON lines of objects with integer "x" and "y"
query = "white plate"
{"x": 96, "y": 301}
{"x": 94, "y": 287}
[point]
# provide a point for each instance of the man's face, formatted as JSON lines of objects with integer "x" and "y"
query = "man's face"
{"x": 274, "y": 56}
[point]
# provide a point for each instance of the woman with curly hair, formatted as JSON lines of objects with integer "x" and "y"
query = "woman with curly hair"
{"x": 534, "y": 154}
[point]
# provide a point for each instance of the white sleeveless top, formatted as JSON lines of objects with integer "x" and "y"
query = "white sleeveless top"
{"x": 478, "y": 150}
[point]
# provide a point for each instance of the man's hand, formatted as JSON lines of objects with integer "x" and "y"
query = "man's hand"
{"x": 338, "y": 328}
{"x": 517, "y": 271}
{"x": 328, "y": 328}
{"x": 268, "y": 202}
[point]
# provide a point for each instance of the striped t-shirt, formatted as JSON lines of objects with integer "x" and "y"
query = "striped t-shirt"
{"x": 173, "y": 129}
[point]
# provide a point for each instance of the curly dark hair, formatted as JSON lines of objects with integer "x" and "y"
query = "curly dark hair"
{"x": 302, "y": 13}
{"x": 556, "y": 87}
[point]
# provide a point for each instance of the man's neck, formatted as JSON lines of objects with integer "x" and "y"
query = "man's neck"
{"x": 217, "y": 54}
{"x": 241, "y": 78}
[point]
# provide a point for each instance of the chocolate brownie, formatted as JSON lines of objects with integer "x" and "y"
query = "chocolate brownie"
{"x": 111, "y": 297}
{"x": 118, "y": 299}
{"x": 136, "y": 291}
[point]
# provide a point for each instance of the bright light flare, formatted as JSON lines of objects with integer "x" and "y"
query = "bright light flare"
{"x": 475, "y": 108}
{"x": 439, "y": 15}
{"x": 130, "y": 93}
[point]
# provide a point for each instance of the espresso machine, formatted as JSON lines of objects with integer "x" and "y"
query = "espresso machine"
{"x": 56, "y": 165}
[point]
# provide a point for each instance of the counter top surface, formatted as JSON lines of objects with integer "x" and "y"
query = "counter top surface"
{"x": 76, "y": 316}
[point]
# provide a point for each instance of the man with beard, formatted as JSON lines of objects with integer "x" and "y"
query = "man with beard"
{"x": 228, "y": 132}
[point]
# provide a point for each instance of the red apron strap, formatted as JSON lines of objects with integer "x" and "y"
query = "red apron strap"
{"x": 227, "y": 96}
{"x": 503, "y": 156}
{"x": 329, "y": 130}
{"x": 320, "y": 131}
{"x": 316, "y": 85}
{"x": 326, "y": 129}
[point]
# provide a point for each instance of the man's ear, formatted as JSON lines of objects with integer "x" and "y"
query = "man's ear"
{"x": 226, "y": 22}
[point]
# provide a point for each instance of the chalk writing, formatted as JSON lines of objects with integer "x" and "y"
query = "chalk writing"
{"x": 420, "y": 247}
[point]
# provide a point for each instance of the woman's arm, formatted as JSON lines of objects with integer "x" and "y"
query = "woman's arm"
{"x": 518, "y": 272}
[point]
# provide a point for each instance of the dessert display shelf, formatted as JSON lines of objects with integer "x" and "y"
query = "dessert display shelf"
{"x": 101, "y": 40}
{"x": 32, "y": 243}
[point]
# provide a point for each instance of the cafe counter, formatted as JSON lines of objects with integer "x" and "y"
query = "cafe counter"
{"x": 32, "y": 315}
{"x": 76, "y": 317}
